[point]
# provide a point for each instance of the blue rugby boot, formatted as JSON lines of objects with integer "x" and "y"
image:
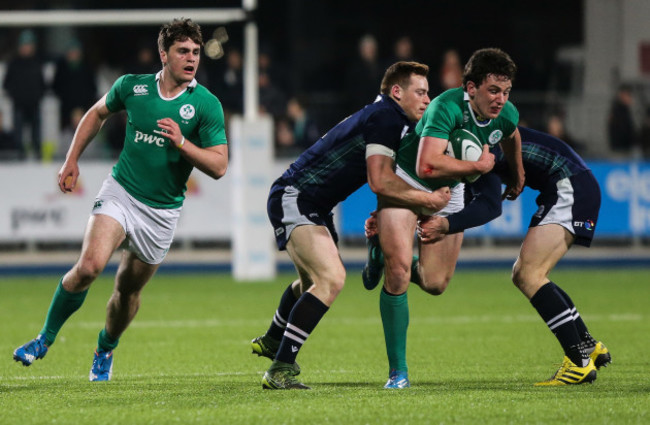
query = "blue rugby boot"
{"x": 102, "y": 368}
{"x": 397, "y": 379}
{"x": 33, "y": 350}
{"x": 374, "y": 268}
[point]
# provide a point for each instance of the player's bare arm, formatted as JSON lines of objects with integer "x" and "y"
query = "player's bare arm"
{"x": 512, "y": 150}
{"x": 433, "y": 163}
{"x": 213, "y": 160}
{"x": 88, "y": 128}
{"x": 384, "y": 182}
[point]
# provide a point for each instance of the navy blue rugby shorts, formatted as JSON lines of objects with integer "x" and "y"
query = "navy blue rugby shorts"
{"x": 574, "y": 204}
{"x": 287, "y": 210}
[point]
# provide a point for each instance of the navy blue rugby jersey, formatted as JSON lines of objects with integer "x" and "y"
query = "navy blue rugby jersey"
{"x": 335, "y": 166}
{"x": 546, "y": 160}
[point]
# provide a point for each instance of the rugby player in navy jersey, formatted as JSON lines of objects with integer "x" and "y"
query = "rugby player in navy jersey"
{"x": 569, "y": 202}
{"x": 359, "y": 149}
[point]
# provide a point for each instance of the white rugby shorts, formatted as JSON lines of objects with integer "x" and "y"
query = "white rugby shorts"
{"x": 149, "y": 231}
{"x": 456, "y": 203}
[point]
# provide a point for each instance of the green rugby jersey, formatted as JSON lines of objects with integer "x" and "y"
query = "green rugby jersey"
{"x": 447, "y": 112}
{"x": 150, "y": 167}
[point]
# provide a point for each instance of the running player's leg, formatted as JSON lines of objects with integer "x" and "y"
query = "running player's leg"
{"x": 132, "y": 275}
{"x": 437, "y": 263}
{"x": 542, "y": 248}
{"x": 267, "y": 345}
{"x": 580, "y": 217}
{"x": 150, "y": 234}
{"x": 103, "y": 235}
{"x": 396, "y": 227}
{"x": 315, "y": 255}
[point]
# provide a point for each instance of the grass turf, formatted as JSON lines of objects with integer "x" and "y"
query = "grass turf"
{"x": 474, "y": 354}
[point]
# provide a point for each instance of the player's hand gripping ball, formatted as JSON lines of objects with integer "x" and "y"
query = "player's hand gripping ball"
{"x": 465, "y": 146}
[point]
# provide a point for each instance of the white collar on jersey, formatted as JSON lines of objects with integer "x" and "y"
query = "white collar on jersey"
{"x": 471, "y": 111}
{"x": 190, "y": 86}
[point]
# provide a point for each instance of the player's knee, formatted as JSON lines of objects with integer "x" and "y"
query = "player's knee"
{"x": 334, "y": 280}
{"x": 87, "y": 270}
{"x": 517, "y": 275}
{"x": 435, "y": 286}
{"x": 526, "y": 278}
{"x": 397, "y": 276}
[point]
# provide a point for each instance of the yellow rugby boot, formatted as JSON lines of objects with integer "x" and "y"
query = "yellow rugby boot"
{"x": 570, "y": 374}
{"x": 600, "y": 355}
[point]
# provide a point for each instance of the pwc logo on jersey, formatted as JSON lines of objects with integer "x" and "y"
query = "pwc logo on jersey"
{"x": 140, "y": 90}
{"x": 141, "y": 137}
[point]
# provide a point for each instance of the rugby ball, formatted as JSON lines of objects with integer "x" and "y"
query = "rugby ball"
{"x": 465, "y": 146}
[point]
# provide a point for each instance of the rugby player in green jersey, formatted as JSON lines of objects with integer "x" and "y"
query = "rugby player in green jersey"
{"x": 480, "y": 106}
{"x": 174, "y": 124}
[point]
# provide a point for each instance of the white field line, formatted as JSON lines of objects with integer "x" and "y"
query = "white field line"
{"x": 451, "y": 320}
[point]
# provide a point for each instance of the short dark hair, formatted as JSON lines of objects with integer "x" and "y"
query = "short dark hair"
{"x": 179, "y": 30}
{"x": 488, "y": 61}
{"x": 400, "y": 73}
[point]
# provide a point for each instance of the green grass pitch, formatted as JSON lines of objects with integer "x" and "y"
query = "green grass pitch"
{"x": 474, "y": 354}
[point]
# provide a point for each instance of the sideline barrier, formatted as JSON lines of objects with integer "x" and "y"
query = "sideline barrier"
{"x": 624, "y": 213}
{"x": 33, "y": 208}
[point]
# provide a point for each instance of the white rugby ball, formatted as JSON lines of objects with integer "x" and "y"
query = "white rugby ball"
{"x": 464, "y": 145}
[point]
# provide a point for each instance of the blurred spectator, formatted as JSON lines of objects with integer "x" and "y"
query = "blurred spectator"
{"x": 227, "y": 83}
{"x": 305, "y": 130}
{"x": 364, "y": 74}
{"x": 146, "y": 61}
{"x": 285, "y": 146}
{"x": 451, "y": 71}
{"x": 555, "y": 127}
{"x": 25, "y": 85}
{"x": 644, "y": 135}
{"x": 276, "y": 72}
{"x": 9, "y": 149}
{"x": 272, "y": 99}
{"x": 621, "y": 127}
{"x": 402, "y": 51}
{"x": 74, "y": 82}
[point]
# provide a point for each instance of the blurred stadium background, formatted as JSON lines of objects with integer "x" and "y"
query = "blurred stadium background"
{"x": 572, "y": 55}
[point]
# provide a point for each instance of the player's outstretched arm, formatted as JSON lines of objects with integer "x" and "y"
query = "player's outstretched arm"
{"x": 88, "y": 128}
{"x": 484, "y": 207}
{"x": 213, "y": 160}
{"x": 512, "y": 150}
{"x": 384, "y": 182}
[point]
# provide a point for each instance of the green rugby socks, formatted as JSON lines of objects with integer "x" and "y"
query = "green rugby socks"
{"x": 394, "y": 311}
{"x": 63, "y": 304}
